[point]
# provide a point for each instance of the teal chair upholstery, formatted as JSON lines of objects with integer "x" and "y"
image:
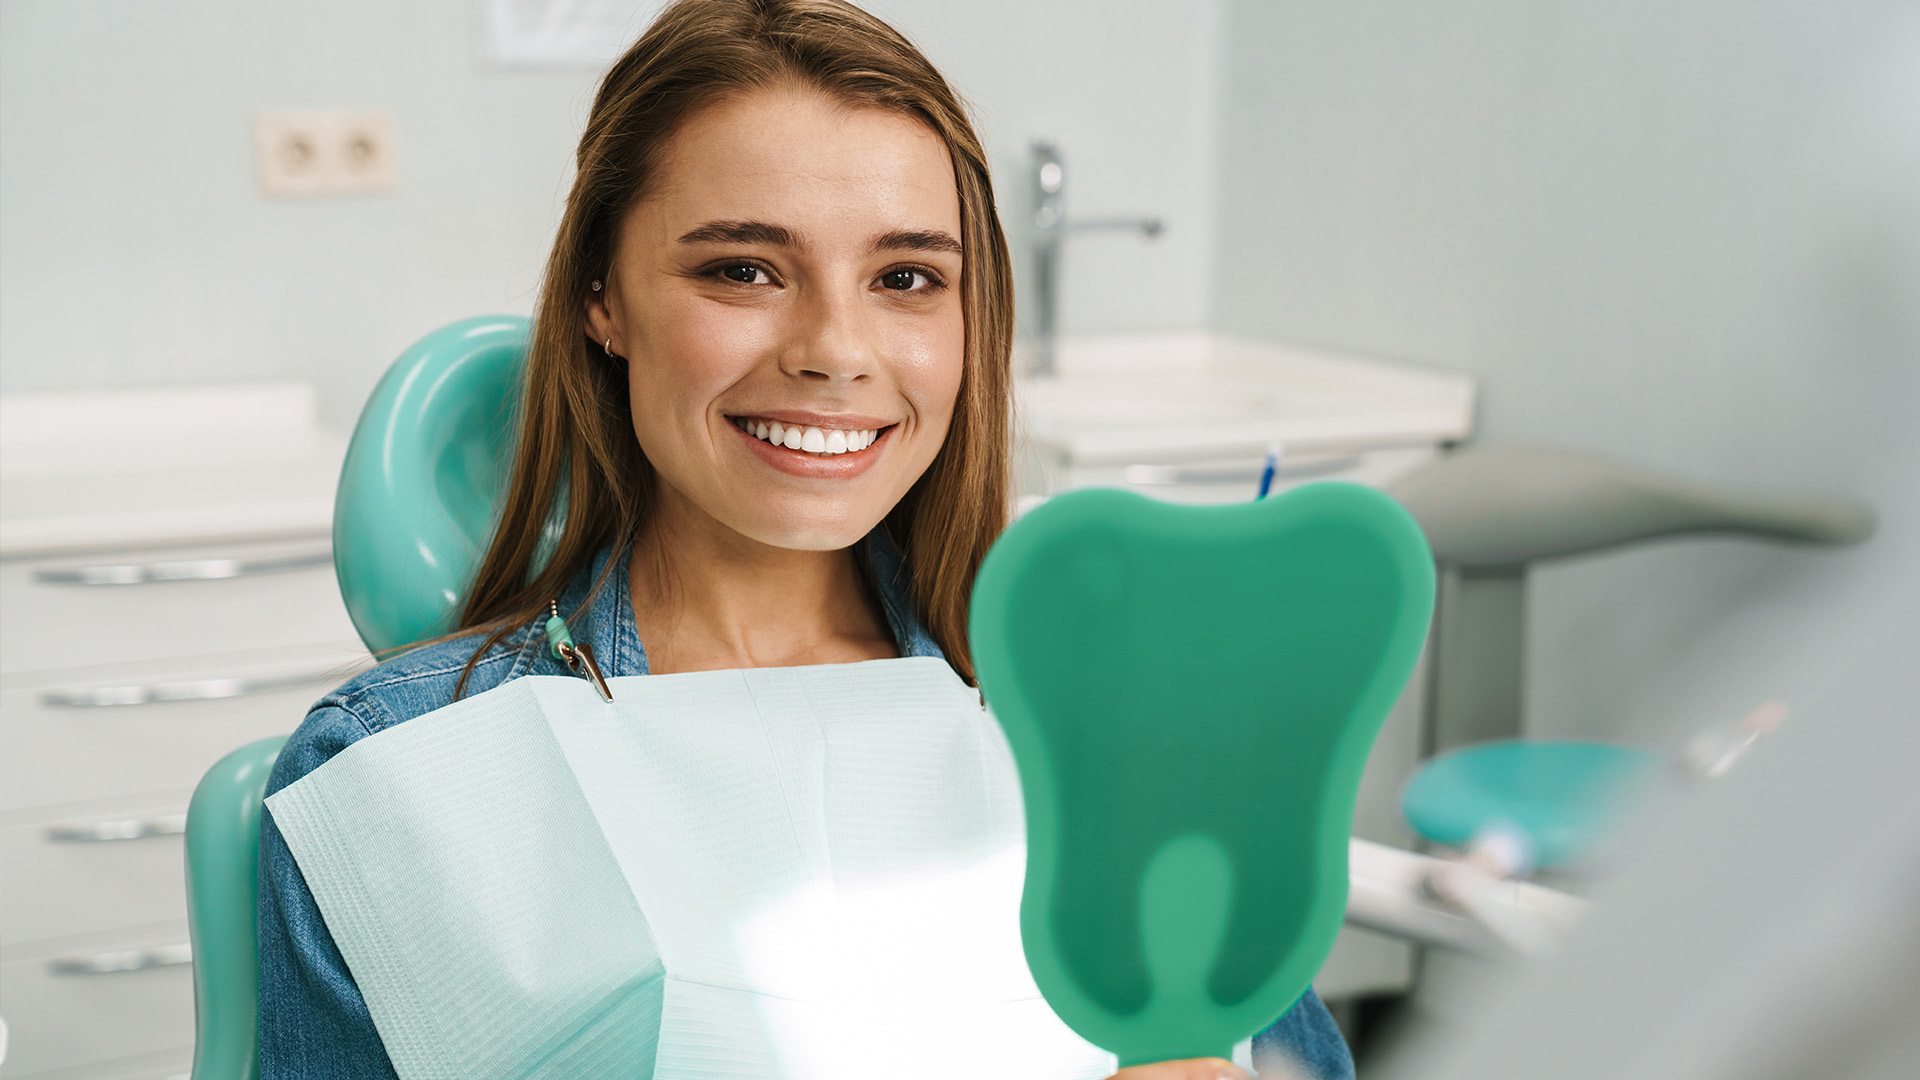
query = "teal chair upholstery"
{"x": 1561, "y": 796}
{"x": 415, "y": 504}
{"x": 223, "y": 883}
{"x": 426, "y": 466}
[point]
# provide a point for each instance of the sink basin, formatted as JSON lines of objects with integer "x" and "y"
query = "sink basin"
{"x": 1168, "y": 399}
{"x": 1095, "y": 402}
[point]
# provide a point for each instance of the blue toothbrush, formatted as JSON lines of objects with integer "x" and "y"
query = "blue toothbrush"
{"x": 1274, "y": 450}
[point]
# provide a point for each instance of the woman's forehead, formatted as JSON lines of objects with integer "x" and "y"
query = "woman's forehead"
{"x": 796, "y": 157}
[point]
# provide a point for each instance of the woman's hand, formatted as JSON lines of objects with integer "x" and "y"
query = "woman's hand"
{"x": 1191, "y": 1069}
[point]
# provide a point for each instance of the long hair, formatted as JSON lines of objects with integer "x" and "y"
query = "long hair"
{"x": 579, "y": 480}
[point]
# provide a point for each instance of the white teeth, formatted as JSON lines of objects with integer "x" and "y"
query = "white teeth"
{"x": 811, "y": 440}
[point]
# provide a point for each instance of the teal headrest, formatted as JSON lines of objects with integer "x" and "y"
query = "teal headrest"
{"x": 424, "y": 472}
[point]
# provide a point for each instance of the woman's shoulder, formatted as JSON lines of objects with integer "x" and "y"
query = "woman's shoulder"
{"x": 418, "y": 681}
{"x": 396, "y": 690}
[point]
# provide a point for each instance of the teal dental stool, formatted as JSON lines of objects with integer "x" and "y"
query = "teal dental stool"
{"x": 411, "y": 515}
{"x": 1489, "y": 515}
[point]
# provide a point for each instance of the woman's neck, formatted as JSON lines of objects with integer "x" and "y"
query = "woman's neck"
{"x": 707, "y": 598}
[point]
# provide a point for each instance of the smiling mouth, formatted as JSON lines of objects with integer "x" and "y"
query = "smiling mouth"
{"x": 808, "y": 439}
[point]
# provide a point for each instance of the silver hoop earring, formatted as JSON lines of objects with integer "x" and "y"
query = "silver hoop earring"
{"x": 608, "y": 347}
{"x": 596, "y": 285}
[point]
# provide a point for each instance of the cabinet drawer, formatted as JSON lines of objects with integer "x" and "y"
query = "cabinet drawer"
{"x": 107, "y": 738}
{"x": 97, "y": 999}
{"x": 86, "y": 873}
{"x": 124, "y": 608}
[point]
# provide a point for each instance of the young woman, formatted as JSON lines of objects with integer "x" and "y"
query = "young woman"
{"x": 769, "y": 386}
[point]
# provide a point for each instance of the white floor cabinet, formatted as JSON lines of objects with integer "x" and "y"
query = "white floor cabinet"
{"x": 166, "y": 595}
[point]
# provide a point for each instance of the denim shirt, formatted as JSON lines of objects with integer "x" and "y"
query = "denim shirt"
{"x": 314, "y": 1022}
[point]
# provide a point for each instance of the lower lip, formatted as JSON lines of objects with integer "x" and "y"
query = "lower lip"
{"x": 796, "y": 463}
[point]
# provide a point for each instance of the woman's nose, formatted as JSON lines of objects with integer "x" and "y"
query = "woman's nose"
{"x": 833, "y": 339}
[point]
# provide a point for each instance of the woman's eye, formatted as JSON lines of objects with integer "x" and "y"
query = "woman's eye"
{"x": 905, "y": 280}
{"x": 743, "y": 273}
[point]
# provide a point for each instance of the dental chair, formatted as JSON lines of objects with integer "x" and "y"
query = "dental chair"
{"x": 223, "y": 896}
{"x": 1490, "y": 515}
{"x": 427, "y": 463}
{"x": 411, "y": 518}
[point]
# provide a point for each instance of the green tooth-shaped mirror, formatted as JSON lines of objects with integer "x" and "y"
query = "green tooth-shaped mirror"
{"x": 1190, "y": 694}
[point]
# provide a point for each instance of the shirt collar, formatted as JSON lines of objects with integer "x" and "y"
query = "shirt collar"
{"x": 895, "y": 586}
{"x": 603, "y": 619}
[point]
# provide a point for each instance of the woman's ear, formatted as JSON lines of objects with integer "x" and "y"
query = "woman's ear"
{"x": 598, "y": 316}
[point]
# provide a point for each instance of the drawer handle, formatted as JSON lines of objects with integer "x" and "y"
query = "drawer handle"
{"x": 181, "y": 570}
{"x": 113, "y": 963}
{"x": 102, "y": 832}
{"x": 101, "y": 697}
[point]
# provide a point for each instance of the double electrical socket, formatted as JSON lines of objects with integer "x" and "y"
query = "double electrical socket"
{"x": 325, "y": 152}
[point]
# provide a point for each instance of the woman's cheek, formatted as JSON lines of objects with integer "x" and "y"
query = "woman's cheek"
{"x": 715, "y": 343}
{"x": 932, "y": 358}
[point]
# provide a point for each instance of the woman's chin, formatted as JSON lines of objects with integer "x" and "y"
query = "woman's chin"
{"x": 747, "y": 503}
{"x": 808, "y": 529}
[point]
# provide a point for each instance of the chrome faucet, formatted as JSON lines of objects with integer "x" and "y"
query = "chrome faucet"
{"x": 1050, "y": 229}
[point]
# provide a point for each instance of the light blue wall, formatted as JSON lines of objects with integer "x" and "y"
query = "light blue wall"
{"x": 135, "y": 248}
{"x": 1685, "y": 232}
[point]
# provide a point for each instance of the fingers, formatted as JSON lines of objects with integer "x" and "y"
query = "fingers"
{"x": 1192, "y": 1069}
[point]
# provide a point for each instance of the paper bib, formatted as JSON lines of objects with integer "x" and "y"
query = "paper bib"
{"x": 805, "y": 872}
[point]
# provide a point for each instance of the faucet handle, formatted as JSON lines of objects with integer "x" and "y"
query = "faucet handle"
{"x": 1049, "y": 181}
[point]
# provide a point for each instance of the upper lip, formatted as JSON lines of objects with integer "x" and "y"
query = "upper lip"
{"x": 808, "y": 418}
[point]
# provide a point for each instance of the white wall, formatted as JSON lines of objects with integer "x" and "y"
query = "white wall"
{"x": 135, "y": 248}
{"x": 1126, "y": 88}
{"x": 1687, "y": 233}
{"x": 1671, "y": 230}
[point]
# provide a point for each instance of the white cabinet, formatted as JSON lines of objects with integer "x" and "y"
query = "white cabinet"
{"x": 166, "y": 595}
{"x": 1189, "y": 417}
{"x": 100, "y": 1005}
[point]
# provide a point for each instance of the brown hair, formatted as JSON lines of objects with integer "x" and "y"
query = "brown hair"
{"x": 579, "y": 480}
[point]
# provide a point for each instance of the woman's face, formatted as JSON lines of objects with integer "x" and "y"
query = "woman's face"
{"x": 787, "y": 297}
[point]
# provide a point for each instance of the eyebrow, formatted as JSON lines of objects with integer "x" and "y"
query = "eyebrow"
{"x": 761, "y": 232}
{"x": 916, "y": 240}
{"x": 742, "y": 232}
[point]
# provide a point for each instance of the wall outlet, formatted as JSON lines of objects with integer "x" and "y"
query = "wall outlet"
{"x": 325, "y": 152}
